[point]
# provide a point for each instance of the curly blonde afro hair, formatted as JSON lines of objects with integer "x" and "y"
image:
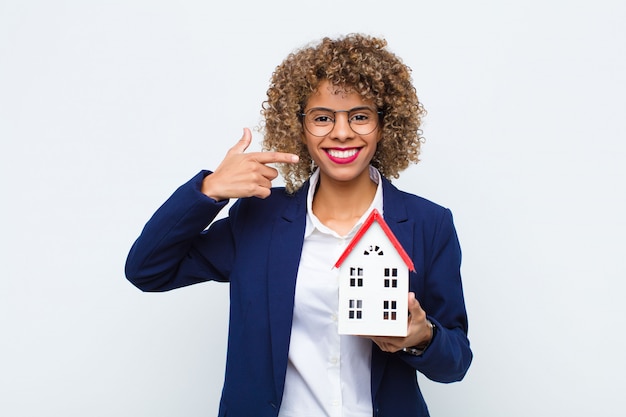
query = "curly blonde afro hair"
{"x": 356, "y": 63}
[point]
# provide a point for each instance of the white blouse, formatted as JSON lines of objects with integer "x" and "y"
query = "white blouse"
{"x": 327, "y": 374}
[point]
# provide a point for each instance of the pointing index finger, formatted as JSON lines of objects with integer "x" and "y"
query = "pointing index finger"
{"x": 276, "y": 157}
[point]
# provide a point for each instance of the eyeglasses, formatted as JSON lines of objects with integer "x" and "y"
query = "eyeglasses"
{"x": 320, "y": 121}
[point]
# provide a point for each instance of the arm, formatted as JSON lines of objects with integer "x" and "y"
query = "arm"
{"x": 172, "y": 250}
{"x": 164, "y": 256}
{"x": 446, "y": 354}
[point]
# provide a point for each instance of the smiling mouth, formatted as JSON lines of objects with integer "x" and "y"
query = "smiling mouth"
{"x": 343, "y": 155}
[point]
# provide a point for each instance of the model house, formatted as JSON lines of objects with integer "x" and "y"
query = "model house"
{"x": 374, "y": 282}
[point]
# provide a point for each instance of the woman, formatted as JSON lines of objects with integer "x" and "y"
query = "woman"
{"x": 341, "y": 119}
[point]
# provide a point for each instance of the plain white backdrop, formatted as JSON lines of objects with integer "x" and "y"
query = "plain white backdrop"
{"x": 107, "y": 106}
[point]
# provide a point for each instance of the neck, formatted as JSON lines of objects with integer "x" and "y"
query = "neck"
{"x": 339, "y": 205}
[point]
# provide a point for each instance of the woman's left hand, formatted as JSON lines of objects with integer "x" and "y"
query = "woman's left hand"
{"x": 420, "y": 331}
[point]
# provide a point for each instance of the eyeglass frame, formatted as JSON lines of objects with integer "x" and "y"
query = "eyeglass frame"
{"x": 303, "y": 114}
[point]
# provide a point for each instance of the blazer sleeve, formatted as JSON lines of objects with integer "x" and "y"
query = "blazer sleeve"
{"x": 165, "y": 254}
{"x": 448, "y": 356}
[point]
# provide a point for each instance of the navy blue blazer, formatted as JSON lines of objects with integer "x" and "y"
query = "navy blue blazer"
{"x": 257, "y": 249}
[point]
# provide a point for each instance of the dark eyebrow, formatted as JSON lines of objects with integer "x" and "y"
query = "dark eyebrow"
{"x": 348, "y": 110}
{"x": 320, "y": 108}
{"x": 362, "y": 108}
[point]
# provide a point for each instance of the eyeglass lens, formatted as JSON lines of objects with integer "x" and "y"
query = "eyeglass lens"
{"x": 320, "y": 121}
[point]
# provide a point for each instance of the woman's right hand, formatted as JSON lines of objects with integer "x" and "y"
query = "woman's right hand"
{"x": 244, "y": 174}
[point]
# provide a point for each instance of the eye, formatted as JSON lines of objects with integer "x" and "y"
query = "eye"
{"x": 321, "y": 117}
{"x": 361, "y": 116}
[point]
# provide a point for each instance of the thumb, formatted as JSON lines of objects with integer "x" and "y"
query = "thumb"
{"x": 243, "y": 143}
{"x": 413, "y": 303}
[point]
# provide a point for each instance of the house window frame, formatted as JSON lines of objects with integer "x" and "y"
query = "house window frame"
{"x": 391, "y": 278}
{"x": 390, "y": 310}
{"x": 355, "y": 309}
{"x": 356, "y": 276}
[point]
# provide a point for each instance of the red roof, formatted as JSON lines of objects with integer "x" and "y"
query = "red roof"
{"x": 376, "y": 216}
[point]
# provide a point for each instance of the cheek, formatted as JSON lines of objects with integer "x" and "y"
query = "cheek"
{"x": 309, "y": 142}
{"x": 307, "y": 145}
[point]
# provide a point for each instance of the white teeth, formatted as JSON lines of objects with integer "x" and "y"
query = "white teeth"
{"x": 342, "y": 154}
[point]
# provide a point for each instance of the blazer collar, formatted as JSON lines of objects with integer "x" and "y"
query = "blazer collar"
{"x": 394, "y": 207}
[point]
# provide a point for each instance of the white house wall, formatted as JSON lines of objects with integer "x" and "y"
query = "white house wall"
{"x": 373, "y": 294}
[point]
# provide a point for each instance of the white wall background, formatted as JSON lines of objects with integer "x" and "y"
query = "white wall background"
{"x": 107, "y": 106}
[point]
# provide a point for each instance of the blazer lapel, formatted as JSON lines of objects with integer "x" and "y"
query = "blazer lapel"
{"x": 396, "y": 216}
{"x": 284, "y": 259}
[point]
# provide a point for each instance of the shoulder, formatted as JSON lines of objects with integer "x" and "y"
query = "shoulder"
{"x": 401, "y": 203}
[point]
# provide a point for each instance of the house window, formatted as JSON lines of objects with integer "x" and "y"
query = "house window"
{"x": 356, "y": 277}
{"x": 355, "y": 309}
{"x": 389, "y": 310}
{"x": 373, "y": 249}
{"x": 391, "y": 278}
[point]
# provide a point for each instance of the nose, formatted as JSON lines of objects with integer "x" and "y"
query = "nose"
{"x": 341, "y": 129}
